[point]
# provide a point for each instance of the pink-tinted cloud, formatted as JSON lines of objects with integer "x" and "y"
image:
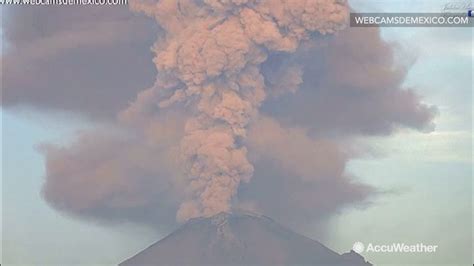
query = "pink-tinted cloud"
{"x": 253, "y": 104}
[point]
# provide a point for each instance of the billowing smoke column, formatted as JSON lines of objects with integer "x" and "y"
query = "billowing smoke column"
{"x": 209, "y": 62}
{"x": 270, "y": 89}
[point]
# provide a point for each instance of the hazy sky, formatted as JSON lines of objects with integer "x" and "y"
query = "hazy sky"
{"x": 426, "y": 178}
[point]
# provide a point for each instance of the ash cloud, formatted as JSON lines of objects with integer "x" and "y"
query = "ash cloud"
{"x": 353, "y": 86}
{"x": 90, "y": 60}
{"x": 299, "y": 179}
{"x": 254, "y": 104}
{"x": 118, "y": 174}
{"x": 210, "y": 59}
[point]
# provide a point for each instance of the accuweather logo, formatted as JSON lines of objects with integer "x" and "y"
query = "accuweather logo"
{"x": 359, "y": 247}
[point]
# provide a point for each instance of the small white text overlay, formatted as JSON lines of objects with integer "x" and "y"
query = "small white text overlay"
{"x": 64, "y": 2}
{"x": 359, "y": 247}
{"x": 411, "y": 19}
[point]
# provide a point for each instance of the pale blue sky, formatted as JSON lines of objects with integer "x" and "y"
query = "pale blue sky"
{"x": 430, "y": 174}
{"x": 428, "y": 177}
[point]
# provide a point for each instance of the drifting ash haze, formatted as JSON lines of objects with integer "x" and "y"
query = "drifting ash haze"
{"x": 256, "y": 105}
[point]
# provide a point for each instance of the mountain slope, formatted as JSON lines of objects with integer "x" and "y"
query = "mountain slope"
{"x": 239, "y": 239}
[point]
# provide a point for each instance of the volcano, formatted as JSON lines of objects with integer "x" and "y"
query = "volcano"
{"x": 239, "y": 239}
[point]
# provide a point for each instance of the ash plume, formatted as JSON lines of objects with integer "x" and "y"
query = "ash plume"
{"x": 254, "y": 104}
{"x": 209, "y": 61}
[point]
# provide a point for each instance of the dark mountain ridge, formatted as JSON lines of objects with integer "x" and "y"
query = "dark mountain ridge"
{"x": 239, "y": 239}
